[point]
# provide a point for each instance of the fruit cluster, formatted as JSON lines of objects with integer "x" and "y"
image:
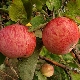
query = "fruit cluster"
{"x": 59, "y": 36}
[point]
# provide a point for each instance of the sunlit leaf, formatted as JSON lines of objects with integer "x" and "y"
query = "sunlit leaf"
{"x": 67, "y": 57}
{"x": 17, "y": 11}
{"x": 75, "y": 76}
{"x": 45, "y": 52}
{"x": 53, "y": 4}
{"x": 40, "y": 76}
{"x": 78, "y": 3}
{"x": 36, "y": 21}
{"x": 72, "y": 10}
{"x": 39, "y": 4}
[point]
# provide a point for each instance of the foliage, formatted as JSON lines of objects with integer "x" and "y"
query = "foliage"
{"x": 38, "y": 13}
{"x": 27, "y": 66}
{"x": 2, "y": 57}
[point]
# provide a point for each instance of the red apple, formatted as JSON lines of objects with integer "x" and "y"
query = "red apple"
{"x": 16, "y": 41}
{"x": 60, "y": 35}
{"x": 47, "y": 70}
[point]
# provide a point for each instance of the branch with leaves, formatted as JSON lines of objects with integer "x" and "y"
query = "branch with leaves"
{"x": 66, "y": 68}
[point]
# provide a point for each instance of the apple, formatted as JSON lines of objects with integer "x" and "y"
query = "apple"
{"x": 47, "y": 70}
{"x": 60, "y": 35}
{"x": 16, "y": 41}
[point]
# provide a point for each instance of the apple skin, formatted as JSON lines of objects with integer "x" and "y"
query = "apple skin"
{"x": 47, "y": 70}
{"x": 60, "y": 35}
{"x": 16, "y": 41}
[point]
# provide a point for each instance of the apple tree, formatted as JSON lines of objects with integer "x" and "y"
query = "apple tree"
{"x": 39, "y": 40}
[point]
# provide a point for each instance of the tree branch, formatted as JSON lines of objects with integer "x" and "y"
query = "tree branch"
{"x": 66, "y": 68}
{"x": 53, "y": 62}
{"x": 77, "y": 55}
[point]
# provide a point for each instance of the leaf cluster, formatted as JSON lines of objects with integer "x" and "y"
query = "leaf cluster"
{"x": 38, "y": 13}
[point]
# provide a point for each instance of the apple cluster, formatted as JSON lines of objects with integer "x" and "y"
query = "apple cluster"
{"x": 59, "y": 36}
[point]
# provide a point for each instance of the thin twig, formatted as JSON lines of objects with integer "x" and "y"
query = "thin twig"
{"x": 67, "y": 68}
{"x": 53, "y": 62}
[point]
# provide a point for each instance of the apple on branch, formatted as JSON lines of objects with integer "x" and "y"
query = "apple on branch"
{"x": 60, "y": 35}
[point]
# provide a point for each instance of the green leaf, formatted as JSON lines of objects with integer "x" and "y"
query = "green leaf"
{"x": 75, "y": 76}
{"x": 35, "y": 77}
{"x": 27, "y": 66}
{"x": 73, "y": 64}
{"x": 72, "y": 10}
{"x": 28, "y": 8}
{"x": 69, "y": 60}
{"x": 45, "y": 52}
{"x": 67, "y": 57}
{"x": 40, "y": 76}
{"x": 17, "y": 11}
{"x": 4, "y": 10}
{"x": 53, "y": 4}
{"x": 39, "y": 4}
{"x": 43, "y": 1}
{"x": 36, "y": 22}
{"x": 2, "y": 58}
{"x": 9, "y": 23}
{"x": 78, "y": 3}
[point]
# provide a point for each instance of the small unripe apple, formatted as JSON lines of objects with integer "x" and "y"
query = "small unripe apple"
{"x": 60, "y": 35}
{"x": 16, "y": 41}
{"x": 47, "y": 70}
